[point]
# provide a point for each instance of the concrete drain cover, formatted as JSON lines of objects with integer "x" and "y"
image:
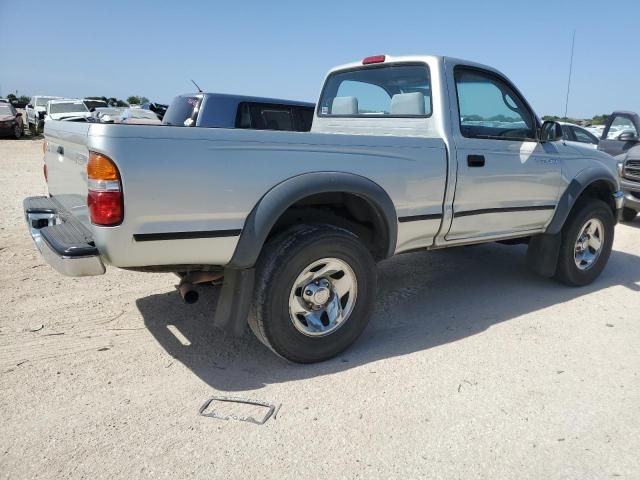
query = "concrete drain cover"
{"x": 231, "y": 408}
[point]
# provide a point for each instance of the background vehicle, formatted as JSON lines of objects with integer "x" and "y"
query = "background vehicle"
{"x": 578, "y": 135}
{"x": 92, "y": 103}
{"x": 405, "y": 153}
{"x": 158, "y": 108}
{"x": 138, "y": 116}
{"x": 621, "y": 139}
{"x": 36, "y": 110}
{"x": 11, "y": 122}
{"x": 65, "y": 109}
{"x": 217, "y": 110}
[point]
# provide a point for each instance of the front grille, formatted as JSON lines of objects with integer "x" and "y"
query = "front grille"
{"x": 632, "y": 169}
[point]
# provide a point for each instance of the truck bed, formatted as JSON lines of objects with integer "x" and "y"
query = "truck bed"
{"x": 187, "y": 192}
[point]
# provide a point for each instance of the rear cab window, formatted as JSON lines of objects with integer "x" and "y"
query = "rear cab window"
{"x": 390, "y": 90}
{"x": 267, "y": 116}
{"x": 183, "y": 111}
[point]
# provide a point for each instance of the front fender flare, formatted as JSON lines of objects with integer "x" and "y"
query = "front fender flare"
{"x": 578, "y": 185}
{"x": 276, "y": 201}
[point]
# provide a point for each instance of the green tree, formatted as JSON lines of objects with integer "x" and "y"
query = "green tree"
{"x": 133, "y": 100}
{"x": 144, "y": 100}
{"x": 24, "y": 99}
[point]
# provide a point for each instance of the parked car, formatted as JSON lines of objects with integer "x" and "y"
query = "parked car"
{"x": 65, "y": 109}
{"x": 217, "y": 110}
{"x": 92, "y": 103}
{"x": 405, "y": 153}
{"x": 36, "y": 110}
{"x": 624, "y": 145}
{"x": 11, "y": 123}
{"x": 577, "y": 134}
{"x": 4, "y": 100}
{"x": 158, "y": 108}
{"x": 138, "y": 116}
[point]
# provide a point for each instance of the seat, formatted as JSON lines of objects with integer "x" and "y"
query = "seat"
{"x": 344, "y": 106}
{"x": 407, "y": 104}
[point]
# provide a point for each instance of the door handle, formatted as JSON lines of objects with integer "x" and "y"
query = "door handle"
{"x": 475, "y": 160}
{"x": 60, "y": 150}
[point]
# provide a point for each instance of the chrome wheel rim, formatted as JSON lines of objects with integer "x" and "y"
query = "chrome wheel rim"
{"x": 589, "y": 244}
{"x": 322, "y": 297}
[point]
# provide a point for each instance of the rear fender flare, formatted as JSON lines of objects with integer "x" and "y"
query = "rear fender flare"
{"x": 277, "y": 200}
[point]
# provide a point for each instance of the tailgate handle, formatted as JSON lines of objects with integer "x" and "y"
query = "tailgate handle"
{"x": 475, "y": 160}
{"x": 60, "y": 150}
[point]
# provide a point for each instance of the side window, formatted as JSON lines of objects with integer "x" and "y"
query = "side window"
{"x": 568, "y": 133}
{"x": 583, "y": 136}
{"x": 244, "y": 116}
{"x": 276, "y": 119}
{"x": 621, "y": 125}
{"x": 490, "y": 109}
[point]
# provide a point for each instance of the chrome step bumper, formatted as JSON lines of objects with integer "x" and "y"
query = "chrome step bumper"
{"x": 62, "y": 240}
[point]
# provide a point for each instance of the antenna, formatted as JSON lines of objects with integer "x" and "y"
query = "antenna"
{"x": 566, "y": 103}
{"x": 199, "y": 89}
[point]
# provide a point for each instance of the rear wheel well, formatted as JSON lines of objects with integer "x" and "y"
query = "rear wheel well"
{"x": 345, "y": 210}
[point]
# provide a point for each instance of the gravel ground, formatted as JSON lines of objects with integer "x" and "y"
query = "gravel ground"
{"x": 471, "y": 368}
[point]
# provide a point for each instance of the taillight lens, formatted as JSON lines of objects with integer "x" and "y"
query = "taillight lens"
{"x": 104, "y": 199}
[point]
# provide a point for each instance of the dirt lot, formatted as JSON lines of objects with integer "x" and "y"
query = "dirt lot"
{"x": 471, "y": 368}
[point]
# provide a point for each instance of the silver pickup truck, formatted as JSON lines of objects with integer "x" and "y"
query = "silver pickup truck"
{"x": 405, "y": 153}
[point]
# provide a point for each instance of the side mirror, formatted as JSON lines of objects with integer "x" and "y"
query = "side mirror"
{"x": 29, "y": 105}
{"x": 551, "y": 132}
{"x": 18, "y": 114}
{"x": 628, "y": 137}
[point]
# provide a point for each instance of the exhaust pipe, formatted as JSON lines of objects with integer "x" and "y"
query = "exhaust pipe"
{"x": 188, "y": 293}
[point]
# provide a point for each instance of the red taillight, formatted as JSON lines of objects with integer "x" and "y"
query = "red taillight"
{"x": 105, "y": 208}
{"x": 104, "y": 199}
{"x": 373, "y": 59}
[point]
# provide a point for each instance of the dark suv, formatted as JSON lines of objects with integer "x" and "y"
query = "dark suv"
{"x": 621, "y": 139}
{"x": 217, "y": 110}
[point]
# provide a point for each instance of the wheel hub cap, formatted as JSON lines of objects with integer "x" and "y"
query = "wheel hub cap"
{"x": 322, "y": 297}
{"x": 589, "y": 244}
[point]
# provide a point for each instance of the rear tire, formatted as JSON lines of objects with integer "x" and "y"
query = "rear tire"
{"x": 32, "y": 129}
{"x": 283, "y": 303}
{"x": 18, "y": 131}
{"x": 628, "y": 215}
{"x": 587, "y": 238}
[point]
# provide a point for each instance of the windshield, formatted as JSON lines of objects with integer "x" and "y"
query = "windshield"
{"x": 67, "y": 107}
{"x": 181, "y": 111}
{"x": 42, "y": 101}
{"x": 95, "y": 104}
{"x": 6, "y": 109}
{"x": 396, "y": 90}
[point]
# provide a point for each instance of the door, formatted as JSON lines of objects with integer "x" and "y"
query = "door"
{"x": 617, "y": 125}
{"x": 507, "y": 181}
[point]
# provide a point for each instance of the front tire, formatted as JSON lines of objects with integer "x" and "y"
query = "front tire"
{"x": 628, "y": 215}
{"x": 587, "y": 238}
{"x": 315, "y": 291}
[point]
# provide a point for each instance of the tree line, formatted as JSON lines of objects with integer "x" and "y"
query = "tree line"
{"x": 111, "y": 101}
{"x": 595, "y": 120}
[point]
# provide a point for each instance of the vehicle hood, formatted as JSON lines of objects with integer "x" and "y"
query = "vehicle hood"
{"x": 4, "y": 118}
{"x": 61, "y": 116}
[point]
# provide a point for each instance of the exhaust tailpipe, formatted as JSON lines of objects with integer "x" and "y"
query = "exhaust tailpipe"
{"x": 188, "y": 293}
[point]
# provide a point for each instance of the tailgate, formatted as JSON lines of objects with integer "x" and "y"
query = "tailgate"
{"x": 66, "y": 157}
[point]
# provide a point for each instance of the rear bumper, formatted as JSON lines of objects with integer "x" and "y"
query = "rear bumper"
{"x": 62, "y": 240}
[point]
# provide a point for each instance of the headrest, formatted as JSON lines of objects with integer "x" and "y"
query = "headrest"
{"x": 344, "y": 106}
{"x": 407, "y": 104}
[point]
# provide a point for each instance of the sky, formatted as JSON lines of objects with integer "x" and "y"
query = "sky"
{"x": 282, "y": 49}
